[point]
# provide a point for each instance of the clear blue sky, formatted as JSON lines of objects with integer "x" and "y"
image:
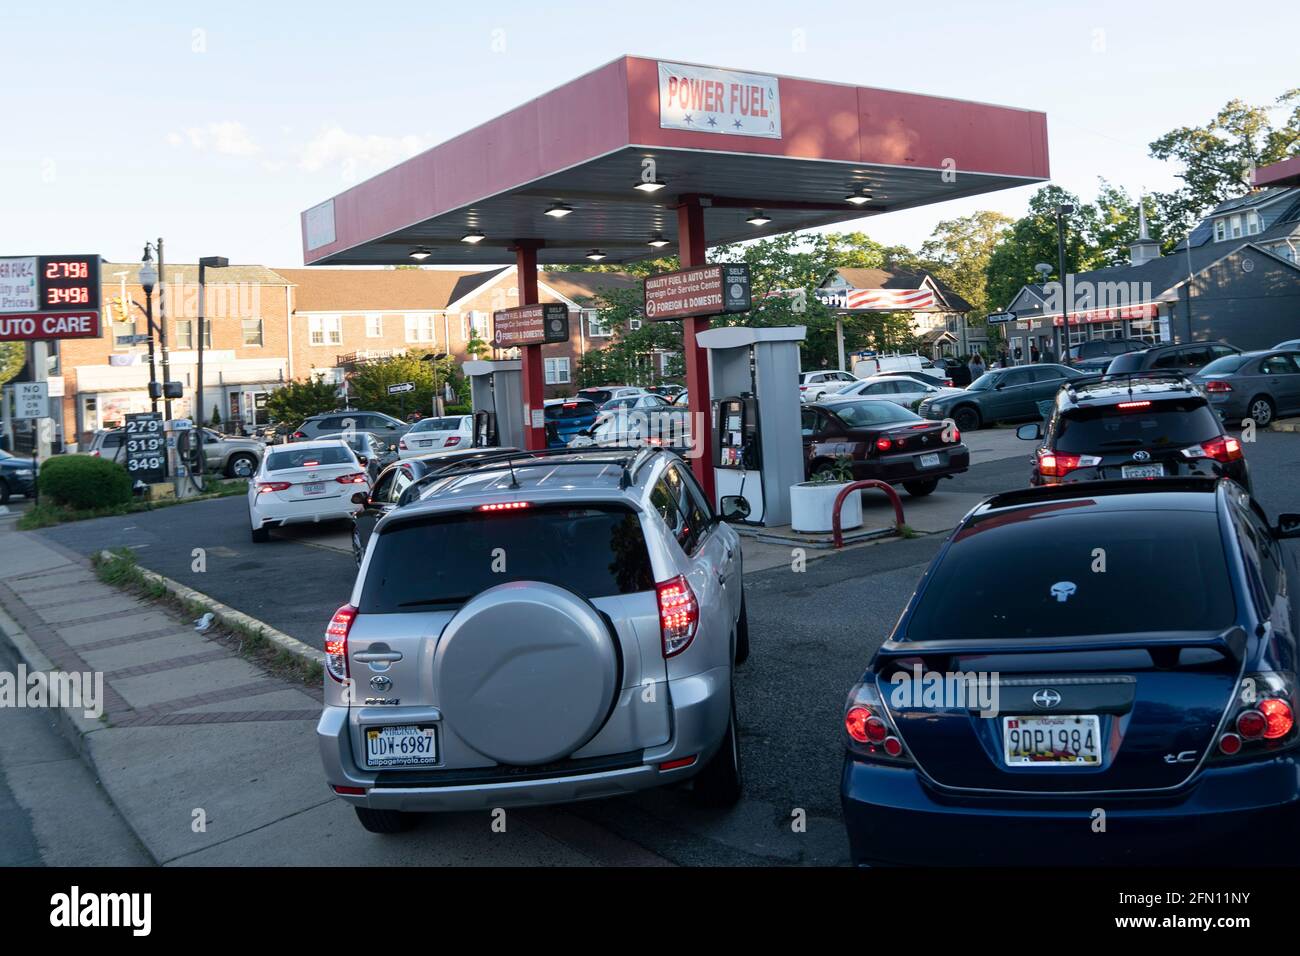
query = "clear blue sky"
{"x": 214, "y": 125}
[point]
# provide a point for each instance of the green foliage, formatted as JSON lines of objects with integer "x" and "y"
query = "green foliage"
{"x": 476, "y": 347}
{"x": 839, "y": 472}
{"x": 81, "y": 481}
{"x": 298, "y": 400}
{"x": 368, "y": 385}
{"x": 1217, "y": 158}
{"x": 631, "y": 357}
{"x": 13, "y": 356}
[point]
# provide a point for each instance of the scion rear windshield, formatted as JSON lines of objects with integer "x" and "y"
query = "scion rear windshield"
{"x": 1108, "y": 429}
{"x": 444, "y": 560}
{"x": 1034, "y": 573}
{"x": 308, "y": 457}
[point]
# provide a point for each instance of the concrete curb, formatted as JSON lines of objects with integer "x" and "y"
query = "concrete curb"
{"x": 818, "y": 541}
{"x": 1285, "y": 425}
{"x": 228, "y": 615}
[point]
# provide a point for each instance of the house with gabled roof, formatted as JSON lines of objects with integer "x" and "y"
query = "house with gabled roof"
{"x": 937, "y": 313}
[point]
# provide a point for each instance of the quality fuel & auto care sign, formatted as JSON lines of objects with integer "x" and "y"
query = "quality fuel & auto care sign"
{"x": 542, "y": 324}
{"x": 49, "y": 297}
{"x": 705, "y": 100}
{"x": 719, "y": 289}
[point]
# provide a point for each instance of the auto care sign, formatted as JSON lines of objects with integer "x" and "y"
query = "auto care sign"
{"x": 49, "y": 297}
{"x": 704, "y": 290}
{"x": 704, "y": 100}
{"x": 540, "y": 324}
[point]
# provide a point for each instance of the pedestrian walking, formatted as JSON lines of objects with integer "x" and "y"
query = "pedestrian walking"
{"x": 1033, "y": 353}
{"x": 976, "y": 365}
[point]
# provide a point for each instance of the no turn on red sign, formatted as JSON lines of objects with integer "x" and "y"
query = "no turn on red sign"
{"x": 31, "y": 400}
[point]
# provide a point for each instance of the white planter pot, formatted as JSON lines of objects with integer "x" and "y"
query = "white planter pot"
{"x": 811, "y": 504}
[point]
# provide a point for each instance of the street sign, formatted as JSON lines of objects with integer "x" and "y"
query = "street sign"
{"x": 31, "y": 400}
{"x": 993, "y": 318}
{"x": 705, "y": 290}
{"x": 49, "y": 297}
{"x": 132, "y": 339}
{"x": 400, "y": 388}
{"x": 146, "y": 447}
{"x": 538, "y": 324}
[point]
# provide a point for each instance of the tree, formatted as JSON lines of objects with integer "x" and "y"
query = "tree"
{"x": 13, "y": 356}
{"x": 368, "y": 385}
{"x": 629, "y": 358}
{"x": 295, "y": 401}
{"x": 1218, "y": 158}
{"x": 476, "y": 347}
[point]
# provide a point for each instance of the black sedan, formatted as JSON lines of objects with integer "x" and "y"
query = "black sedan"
{"x": 883, "y": 441}
{"x": 17, "y": 477}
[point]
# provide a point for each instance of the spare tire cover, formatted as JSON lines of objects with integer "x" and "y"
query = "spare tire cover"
{"x": 526, "y": 673}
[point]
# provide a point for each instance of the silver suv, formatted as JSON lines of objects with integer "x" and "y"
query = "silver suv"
{"x": 535, "y": 630}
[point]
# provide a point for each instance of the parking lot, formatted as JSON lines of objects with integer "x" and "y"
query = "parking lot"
{"x": 812, "y": 633}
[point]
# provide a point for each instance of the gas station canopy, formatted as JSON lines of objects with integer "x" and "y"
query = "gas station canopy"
{"x": 572, "y": 171}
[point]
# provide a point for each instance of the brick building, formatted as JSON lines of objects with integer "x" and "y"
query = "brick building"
{"x": 269, "y": 326}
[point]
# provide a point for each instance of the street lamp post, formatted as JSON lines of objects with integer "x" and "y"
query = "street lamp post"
{"x": 1063, "y": 210}
{"x": 148, "y": 279}
{"x": 207, "y": 262}
{"x": 162, "y": 332}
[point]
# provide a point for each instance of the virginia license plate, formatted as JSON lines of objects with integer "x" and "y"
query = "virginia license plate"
{"x": 1143, "y": 471}
{"x": 929, "y": 461}
{"x": 401, "y": 746}
{"x": 315, "y": 488}
{"x": 1069, "y": 740}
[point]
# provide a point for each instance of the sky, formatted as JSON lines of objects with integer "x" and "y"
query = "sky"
{"x": 215, "y": 125}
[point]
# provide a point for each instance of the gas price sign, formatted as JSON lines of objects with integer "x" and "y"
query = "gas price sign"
{"x": 146, "y": 447}
{"x": 49, "y": 297}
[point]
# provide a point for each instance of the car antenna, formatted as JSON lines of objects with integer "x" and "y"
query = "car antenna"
{"x": 510, "y": 463}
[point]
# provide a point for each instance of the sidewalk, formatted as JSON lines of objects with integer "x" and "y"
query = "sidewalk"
{"x": 211, "y": 760}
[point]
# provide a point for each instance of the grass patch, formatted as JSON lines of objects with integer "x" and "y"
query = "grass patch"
{"x": 121, "y": 570}
{"x": 46, "y": 514}
{"x": 907, "y": 531}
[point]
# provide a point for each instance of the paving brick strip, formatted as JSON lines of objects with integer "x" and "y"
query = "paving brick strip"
{"x": 210, "y": 759}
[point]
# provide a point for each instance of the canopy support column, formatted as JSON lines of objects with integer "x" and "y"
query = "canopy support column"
{"x": 533, "y": 376}
{"x": 690, "y": 243}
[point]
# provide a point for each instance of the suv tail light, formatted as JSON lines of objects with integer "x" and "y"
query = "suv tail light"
{"x": 273, "y": 486}
{"x": 336, "y": 642}
{"x": 1055, "y": 465}
{"x": 870, "y": 730}
{"x": 679, "y": 614}
{"x": 1224, "y": 448}
{"x": 1261, "y": 719}
{"x": 1217, "y": 385}
{"x": 356, "y": 478}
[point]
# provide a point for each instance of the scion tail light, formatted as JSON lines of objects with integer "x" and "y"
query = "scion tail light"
{"x": 679, "y": 614}
{"x": 870, "y": 729}
{"x": 1261, "y": 720}
{"x": 336, "y": 642}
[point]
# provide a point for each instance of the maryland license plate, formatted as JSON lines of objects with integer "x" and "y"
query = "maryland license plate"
{"x": 1070, "y": 740}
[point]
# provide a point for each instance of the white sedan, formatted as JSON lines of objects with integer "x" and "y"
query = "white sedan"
{"x": 307, "y": 481}
{"x": 899, "y": 389}
{"x": 434, "y": 434}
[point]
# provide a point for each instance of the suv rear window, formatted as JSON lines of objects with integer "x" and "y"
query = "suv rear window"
{"x": 596, "y": 550}
{"x": 1046, "y": 553}
{"x": 562, "y": 410}
{"x": 1106, "y": 428}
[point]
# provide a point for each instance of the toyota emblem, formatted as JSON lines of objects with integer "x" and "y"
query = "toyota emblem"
{"x": 1141, "y": 455}
{"x": 1047, "y": 697}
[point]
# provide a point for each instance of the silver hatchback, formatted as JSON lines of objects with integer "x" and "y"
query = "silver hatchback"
{"x": 538, "y": 630}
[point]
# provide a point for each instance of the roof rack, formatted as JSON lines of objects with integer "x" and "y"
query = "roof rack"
{"x": 1125, "y": 379}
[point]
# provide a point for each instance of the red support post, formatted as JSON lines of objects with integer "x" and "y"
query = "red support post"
{"x": 690, "y": 244}
{"x": 533, "y": 376}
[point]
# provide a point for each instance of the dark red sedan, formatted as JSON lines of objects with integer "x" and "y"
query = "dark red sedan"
{"x": 883, "y": 441}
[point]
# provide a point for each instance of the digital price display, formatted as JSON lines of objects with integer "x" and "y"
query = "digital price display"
{"x": 146, "y": 447}
{"x": 49, "y": 297}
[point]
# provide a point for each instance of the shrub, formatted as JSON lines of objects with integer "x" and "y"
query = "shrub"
{"x": 458, "y": 409}
{"x": 82, "y": 481}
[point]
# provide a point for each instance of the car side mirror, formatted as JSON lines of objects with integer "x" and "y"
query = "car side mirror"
{"x": 363, "y": 460}
{"x": 1288, "y": 526}
{"x": 734, "y": 507}
{"x": 1031, "y": 432}
{"x": 361, "y": 498}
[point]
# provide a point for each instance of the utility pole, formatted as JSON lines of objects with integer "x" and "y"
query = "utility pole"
{"x": 1063, "y": 210}
{"x": 162, "y": 324}
{"x": 207, "y": 262}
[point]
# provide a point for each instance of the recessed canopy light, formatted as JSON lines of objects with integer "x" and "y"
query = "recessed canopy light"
{"x": 559, "y": 210}
{"x": 420, "y": 253}
{"x": 595, "y": 255}
{"x": 758, "y": 219}
{"x": 658, "y": 240}
{"x": 652, "y": 186}
{"x": 473, "y": 237}
{"x": 859, "y": 198}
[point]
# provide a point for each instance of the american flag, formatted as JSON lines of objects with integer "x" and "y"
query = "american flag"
{"x": 877, "y": 300}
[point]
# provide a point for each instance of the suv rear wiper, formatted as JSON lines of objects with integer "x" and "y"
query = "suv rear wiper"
{"x": 438, "y": 600}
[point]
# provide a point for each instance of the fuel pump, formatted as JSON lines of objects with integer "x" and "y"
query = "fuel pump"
{"x": 739, "y": 455}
